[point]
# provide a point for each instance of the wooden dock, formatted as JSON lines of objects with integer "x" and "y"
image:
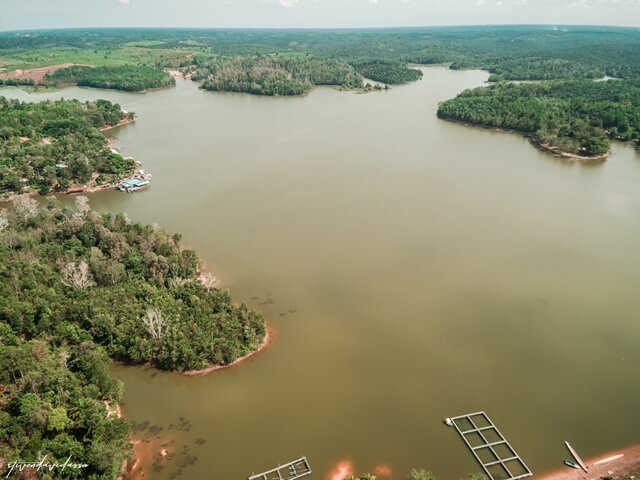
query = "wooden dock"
{"x": 290, "y": 471}
{"x": 494, "y": 453}
{"x": 577, "y": 457}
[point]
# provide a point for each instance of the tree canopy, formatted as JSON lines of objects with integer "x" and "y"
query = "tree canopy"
{"x": 273, "y": 74}
{"x": 77, "y": 275}
{"x": 55, "y": 402}
{"x": 522, "y": 52}
{"x": 134, "y": 78}
{"x": 51, "y": 145}
{"x": 578, "y": 116}
{"x": 387, "y": 71}
{"x": 76, "y": 288}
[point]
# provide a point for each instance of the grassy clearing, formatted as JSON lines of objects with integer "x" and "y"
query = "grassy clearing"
{"x": 145, "y": 43}
{"x": 128, "y": 55}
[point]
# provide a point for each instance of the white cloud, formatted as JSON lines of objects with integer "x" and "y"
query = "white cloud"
{"x": 315, "y": 13}
{"x": 283, "y": 3}
{"x": 625, "y": 3}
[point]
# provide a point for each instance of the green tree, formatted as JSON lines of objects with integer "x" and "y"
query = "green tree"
{"x": 58, "y": 419}
{"x": 420, "y": 474}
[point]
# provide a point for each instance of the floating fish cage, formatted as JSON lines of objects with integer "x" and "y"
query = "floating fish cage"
{"x": 494, "y": 453}
{"x": 290, "y": 471}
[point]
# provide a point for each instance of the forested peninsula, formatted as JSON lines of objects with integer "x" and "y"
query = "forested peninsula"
{"x": 51, "y": 146}
{"x": 273, "y": 74}
{"x": 132, "y": 78}
{"x": 387, "y": 71}
{"x": 576, "y": 118}
{"x": 78, "y": 288}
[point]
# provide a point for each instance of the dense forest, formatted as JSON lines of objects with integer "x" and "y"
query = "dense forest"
{"x": 577, "y": 116}
{"x": 514, "y": 52}
{"x": 55, "y": 400}
{"x": 78, "y": 275}
{"x": 50, "y": 146}
{"x": 125, "y": 77}
{"x": 273, "y": 74}
{"x": 17, "y": 82}
{"x": 539, "y": 68}
{"x": 387, "y": 71}
{"x": 78, "y": 287}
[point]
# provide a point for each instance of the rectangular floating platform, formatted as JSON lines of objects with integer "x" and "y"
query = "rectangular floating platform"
{"x": 498, "y": 458}
{"x": 297, "y": 469}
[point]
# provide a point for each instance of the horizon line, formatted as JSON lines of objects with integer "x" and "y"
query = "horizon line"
{"x": 354, "y": 27}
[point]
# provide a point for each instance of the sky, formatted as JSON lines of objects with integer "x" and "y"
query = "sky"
{"x": 26, "y": 14}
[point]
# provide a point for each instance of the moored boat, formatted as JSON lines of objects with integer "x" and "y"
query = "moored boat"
{"x": 569, "y": 463}
{"x": 131, "y": 185}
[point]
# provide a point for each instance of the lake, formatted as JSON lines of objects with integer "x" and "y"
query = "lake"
{"x": 412, "y": 269}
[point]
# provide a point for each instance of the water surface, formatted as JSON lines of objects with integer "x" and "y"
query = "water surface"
{"x": 413, "y": 269}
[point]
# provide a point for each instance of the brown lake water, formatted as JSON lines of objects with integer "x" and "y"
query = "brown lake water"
{"x": 413, "y": 269}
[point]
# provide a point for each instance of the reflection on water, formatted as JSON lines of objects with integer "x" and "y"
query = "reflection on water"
{"x": 414, "y": 270}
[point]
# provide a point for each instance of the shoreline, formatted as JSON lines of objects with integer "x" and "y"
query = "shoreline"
{"x": 119, "y": 124}
{"x": 77, "y": 189}
{"x": 547, "y": 148}
{"x": 603, "y": 465}
{"x": 178, "y": 74}
{"x": 268, "y": 338}
{"x": 570, "y": 156}
{"x": 72, "y": 190}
